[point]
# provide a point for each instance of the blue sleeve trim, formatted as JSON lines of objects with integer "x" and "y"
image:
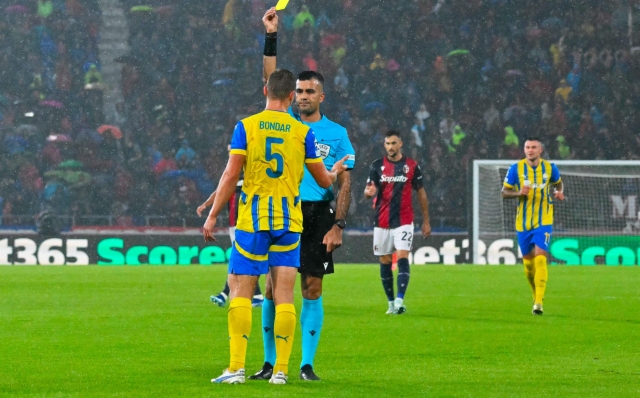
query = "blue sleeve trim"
{"x": 555, "y": 173}
{"x": 310, "y": 146}
{"x": 346, "y": 149}
{"x": 239, "y": 138}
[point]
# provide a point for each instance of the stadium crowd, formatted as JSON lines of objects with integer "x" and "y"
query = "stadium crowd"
{"x": 459, "y": 79}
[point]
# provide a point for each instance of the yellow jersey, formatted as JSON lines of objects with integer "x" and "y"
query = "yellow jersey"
{"x": 276, "y": 147}
{"x": 535, "y": 209}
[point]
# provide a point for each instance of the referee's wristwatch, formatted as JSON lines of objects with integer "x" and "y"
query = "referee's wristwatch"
{"x": 341, "y": 223}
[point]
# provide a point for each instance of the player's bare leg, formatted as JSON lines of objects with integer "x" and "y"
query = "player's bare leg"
{"x": 403, "y": 280}
{"x": 311, "y": 320}
{"x": 268, "y": 338}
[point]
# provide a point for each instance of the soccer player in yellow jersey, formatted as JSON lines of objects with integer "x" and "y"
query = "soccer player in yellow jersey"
{"x": 273, "y": 149}
{"x": 530, "y": 180}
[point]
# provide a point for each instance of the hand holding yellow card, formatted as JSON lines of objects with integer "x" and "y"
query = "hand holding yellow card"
{"x": 282, "y": 4}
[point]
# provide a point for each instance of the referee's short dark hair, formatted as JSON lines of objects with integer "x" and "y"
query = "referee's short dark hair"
{"x": 391, "y": 133}
{"x": 311, "y": 75}
{"x": 281, "y": 83}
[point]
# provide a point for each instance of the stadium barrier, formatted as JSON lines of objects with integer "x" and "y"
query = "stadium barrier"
{"x": 185, "y": 247}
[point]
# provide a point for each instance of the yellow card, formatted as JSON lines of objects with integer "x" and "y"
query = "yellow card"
{"x": 282, "y": 4}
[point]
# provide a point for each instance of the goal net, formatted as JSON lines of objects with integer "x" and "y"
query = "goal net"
{"x": 598, "y": 223}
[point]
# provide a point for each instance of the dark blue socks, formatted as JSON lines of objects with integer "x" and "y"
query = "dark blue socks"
{"x": 387, "y": 280}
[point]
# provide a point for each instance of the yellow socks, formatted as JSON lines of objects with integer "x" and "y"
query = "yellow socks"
{"x": 284, "y": 328}
{"x": 541, "y": 275}
{"x": 530, "y": 273}
{"x": 239, "y": 317}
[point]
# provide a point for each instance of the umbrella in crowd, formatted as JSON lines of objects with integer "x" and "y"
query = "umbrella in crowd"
{"x": 223, "y": 82}
{"x": 59, "y": 138}
{"x": 459, "y": 51}
{"x": 16, "y": 9}
{"x": 70, "y": 164}
{"x": 116, "y": 132}
{"x": 374, "y": 105}
{"x": 141, "y": 8}
{"x": 52, "y": 104}
{"x": 164, "y": 11}
{"x": 26, "y": 129}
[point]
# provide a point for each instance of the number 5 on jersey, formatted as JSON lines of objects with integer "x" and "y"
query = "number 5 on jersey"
{"x": 270, "y": 155}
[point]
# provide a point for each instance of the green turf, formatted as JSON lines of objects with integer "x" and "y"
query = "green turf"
{"x": 151, "y": 332}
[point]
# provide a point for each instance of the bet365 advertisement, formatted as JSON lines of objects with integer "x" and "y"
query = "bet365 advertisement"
{"x": 181, "y": 250}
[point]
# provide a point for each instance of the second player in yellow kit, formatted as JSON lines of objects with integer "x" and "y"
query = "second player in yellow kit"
{"x": 531, "y": 181}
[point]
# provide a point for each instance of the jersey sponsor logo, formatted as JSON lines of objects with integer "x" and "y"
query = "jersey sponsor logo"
{"x": 275, "y": 126}
{"x": 352, "y": 157}
{"x": 536, "y": 186}
{"x": 405, "y": 169}
{"x": 385, "y": 178}
{"x": 323, "y": 150}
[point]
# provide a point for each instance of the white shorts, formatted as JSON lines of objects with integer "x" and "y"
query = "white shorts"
{"x": 232, "y": 234}
{"x": 385, "y": 239}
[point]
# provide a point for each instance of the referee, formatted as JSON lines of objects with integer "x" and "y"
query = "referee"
{"x": 322, "y": 226}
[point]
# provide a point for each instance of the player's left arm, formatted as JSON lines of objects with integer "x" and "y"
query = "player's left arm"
{"x": 229, "y": 179}
{"x": 558, "y": 189}
{"x": 206, "y": 204}
{"x": 226, "y": 188}
{"x": 424, "y": 202}
{"x": 424, "y": 206}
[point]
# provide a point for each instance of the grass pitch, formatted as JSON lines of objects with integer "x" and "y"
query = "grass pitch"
{"x": 152, "y": 332}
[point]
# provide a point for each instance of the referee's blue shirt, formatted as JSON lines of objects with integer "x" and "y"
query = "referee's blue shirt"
{"x": 332, "y": 144}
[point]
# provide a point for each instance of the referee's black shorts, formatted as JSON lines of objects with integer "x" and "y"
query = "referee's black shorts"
{"x": 317, "y": 220}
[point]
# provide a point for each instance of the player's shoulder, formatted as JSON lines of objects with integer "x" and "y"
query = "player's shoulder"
{"x": 377, "y": 163}
{"x": 333, "y": 127}
{"x": 411, "y": 162}
{"x": 274, "y": 120}
{"x": 517, "y": 164}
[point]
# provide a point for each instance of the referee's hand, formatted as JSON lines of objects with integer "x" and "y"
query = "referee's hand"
{"x": 333, "y": 239}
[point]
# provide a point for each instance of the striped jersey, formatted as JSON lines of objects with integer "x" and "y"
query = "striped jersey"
{"x": 395, "y": 182}
{"x": 276, "y": 147}
{"x": 535, "y": 209}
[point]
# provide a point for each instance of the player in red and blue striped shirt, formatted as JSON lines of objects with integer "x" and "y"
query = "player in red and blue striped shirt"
{"x": 392, "y": 180}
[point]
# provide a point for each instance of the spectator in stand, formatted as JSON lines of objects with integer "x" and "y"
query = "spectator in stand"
{"x": 185, "y": 154}
{"x": 165, "y": 164}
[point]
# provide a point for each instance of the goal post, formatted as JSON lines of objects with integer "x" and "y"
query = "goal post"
{"x": 598, "y": 223}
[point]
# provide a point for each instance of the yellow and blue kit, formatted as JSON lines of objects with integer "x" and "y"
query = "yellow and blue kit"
{"x": 269, "y": 222}
{"x": 534, "y": 219}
